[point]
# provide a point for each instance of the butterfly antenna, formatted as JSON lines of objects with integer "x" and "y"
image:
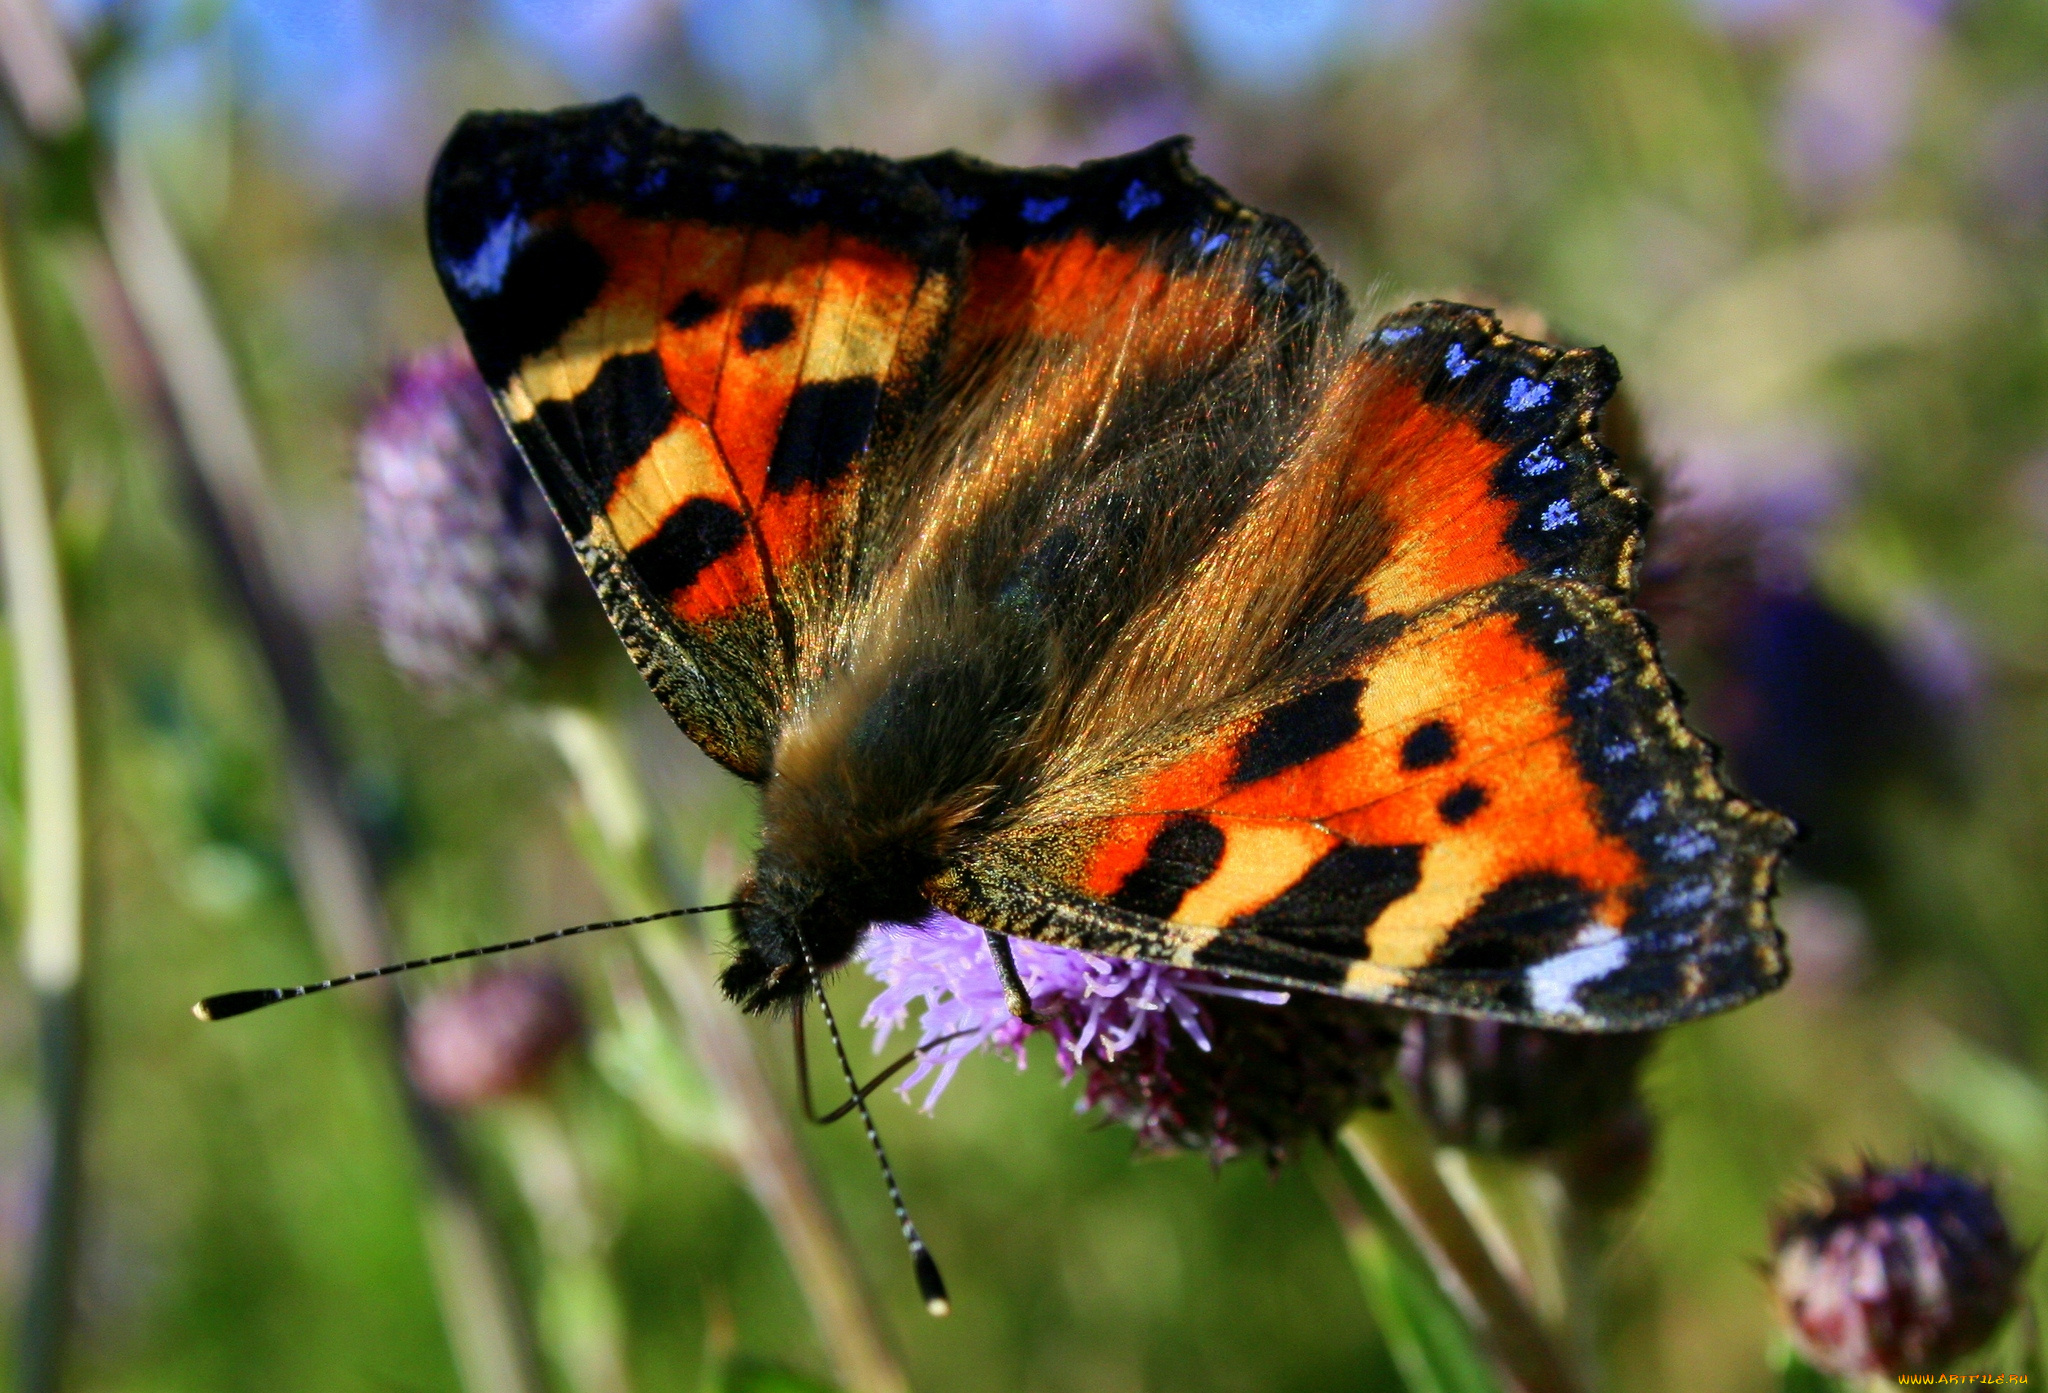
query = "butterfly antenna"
{"x": 930, "y": 1285}
{"x": 219, "y": 1008}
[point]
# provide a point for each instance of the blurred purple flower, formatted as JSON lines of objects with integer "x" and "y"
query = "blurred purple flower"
{"x": 1818, "y": 713}
{"x": 1186, "y": 1060}
{"x": 459, "y": 549}
{"x": 1055, "y": 41}
{"x": 1521, "y": 1091}
{"x": 1753, "y": 17}
{"x": 2013, "y": 160}
{"x": 1108, "y": 68}
{"x": 496, "y": 1035}
{"x": 1898, "y": 1272}
{"x": 1852, "y": 96}
{"x": 1517, "y": 1089}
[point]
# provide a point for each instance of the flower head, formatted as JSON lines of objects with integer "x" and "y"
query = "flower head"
{"x": 1898, "y": 1272}
{"x": 1186, "y": 1059}
{"x": 459, "y": 550}
{"x": 496, "y": 1035}
{"x": 1517, "y": 1089}
{"x": 1272, "y": 1075}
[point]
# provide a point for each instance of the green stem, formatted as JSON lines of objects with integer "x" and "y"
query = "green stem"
{"x": 53, "y": 927}
{"x": 578, "y": 1302}
{"x": 1397, "y": 1156}
{"x": 1429, "y": 1343}
{"x": 759, "y": 1142}
{"x": 142, "y": 304}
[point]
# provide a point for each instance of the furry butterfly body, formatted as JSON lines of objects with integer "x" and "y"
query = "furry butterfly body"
{"x": 1044, "y": 548}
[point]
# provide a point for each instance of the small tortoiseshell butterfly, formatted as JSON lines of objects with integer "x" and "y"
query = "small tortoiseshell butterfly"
{"x": 1042, "y": 546}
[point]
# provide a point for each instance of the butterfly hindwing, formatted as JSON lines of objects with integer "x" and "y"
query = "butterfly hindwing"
{"x": 1484, "y": 455}
{"x": 1495, "y": 812}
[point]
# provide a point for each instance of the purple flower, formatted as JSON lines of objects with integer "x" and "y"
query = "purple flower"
{"x": 1185, "y": 1059}
{"x": 492, "y": 1037}
{"x": 459, "y": 550}
{"x": 1899, "y": 1272}
{"x": 1853, "y": 96}
{"x": 1093, "y": 1004}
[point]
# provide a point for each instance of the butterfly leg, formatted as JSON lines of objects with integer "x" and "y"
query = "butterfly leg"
{"x": 803, "y": 1073}
{"x": 1014, "y": 995}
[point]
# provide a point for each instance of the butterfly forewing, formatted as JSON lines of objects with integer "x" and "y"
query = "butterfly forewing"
{"x": 701, "y": 347}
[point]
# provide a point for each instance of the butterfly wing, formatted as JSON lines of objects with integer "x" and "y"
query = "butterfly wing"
{"x": 723, "y": 361}
{"x": 703, "y": 349}
{"x": 1486, "y": 801}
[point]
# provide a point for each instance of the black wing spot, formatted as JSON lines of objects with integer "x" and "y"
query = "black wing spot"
{"x": 693, "y": 309}
{"x": 1519, "y": 923}
{"x": 606, "y": 428}
{"x": 695, "y": 536}
{"x": 823, "y": 431}
{"x": 1297, "y": 731}
{"x": 1428, "y": 745}
{"x": 765, "y": 326}
{"x": 1461, "y": 803}
{"x": 1338, "y": 898}
{"x": 550, "y": 282}
{"x": 1183, "y": 853}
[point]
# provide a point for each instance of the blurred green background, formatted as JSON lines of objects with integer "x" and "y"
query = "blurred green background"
{"x": 1815, "y": 234}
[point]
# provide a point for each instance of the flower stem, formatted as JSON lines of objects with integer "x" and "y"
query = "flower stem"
{"x": 1396, "y": 1155}
{"x": 579, "y": 1303}
{"x": 143, "y": 306}
{"x": 53, "y": 929}
{"x": 1431, "y": 1347}
{"x": 758, "y": 1141}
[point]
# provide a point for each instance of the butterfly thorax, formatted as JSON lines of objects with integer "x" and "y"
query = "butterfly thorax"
{"x": 887, "y": 778}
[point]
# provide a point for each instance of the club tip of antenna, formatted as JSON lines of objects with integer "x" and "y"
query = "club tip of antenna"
{"x": 219, "y": 1008}
{"x": 930, "y": 1285}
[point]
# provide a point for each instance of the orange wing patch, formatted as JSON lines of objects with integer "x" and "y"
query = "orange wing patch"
{"x": 1452, "y": 742}
{"x": 1428, "y": 471}
{"x": 1496, "y": 810}
{"x": 775, "y": 350}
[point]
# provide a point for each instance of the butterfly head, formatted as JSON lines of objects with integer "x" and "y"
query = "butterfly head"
{"x": 787, "y": 907}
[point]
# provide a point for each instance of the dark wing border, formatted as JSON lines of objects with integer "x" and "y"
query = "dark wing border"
{"x": 1576, "y": 518}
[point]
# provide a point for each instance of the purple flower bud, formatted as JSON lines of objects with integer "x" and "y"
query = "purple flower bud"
{"x": 1517, "y": 1089}
{"x": 1899, "y": 1272}
{"x": 492, "y": 1037}
{"x": 459, "y": 550}
{"x": 1186, "y": 1059}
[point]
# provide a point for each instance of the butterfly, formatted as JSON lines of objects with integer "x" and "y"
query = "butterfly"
{"x": 1046, "y": 548}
